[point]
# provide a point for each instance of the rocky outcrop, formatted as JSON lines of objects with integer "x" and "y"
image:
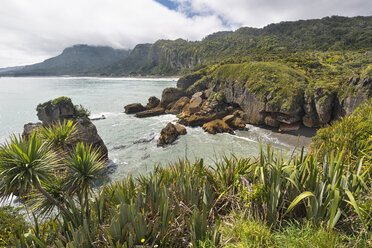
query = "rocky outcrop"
{"x": 61, "y": 109}
{"x": 234, "y": 122}
{"x": 87, "y": 133}
{"x": 170, "y": 133}
{"x": 324, "y": 105}
{"x": 134, "y": 108}
{"x": 153, "y": 102}
{"x": 29, "y": 128}
{"x": 170, "y": 95}
{"x": 56, "y": 110}
{"x": 238, "y": 94}
{"x": 196, "y": 102}
{"x": 150, "y": 112}
{"x": 228, "y": 104}
{"x": 179, "y": 106}
{"x": 180, "y": 129}
{"x": 217, "y": 126}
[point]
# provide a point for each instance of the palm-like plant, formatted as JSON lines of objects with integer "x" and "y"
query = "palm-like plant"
{"x": 60, "y": 133}
{"x": 84, "y": 167}
{"x": 27, "y": 164}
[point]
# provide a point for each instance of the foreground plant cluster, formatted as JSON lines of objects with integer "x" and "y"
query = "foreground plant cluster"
{"x": 319, "y": 199}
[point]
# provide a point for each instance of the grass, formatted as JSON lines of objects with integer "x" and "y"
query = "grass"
{"x": 238, "y": 231}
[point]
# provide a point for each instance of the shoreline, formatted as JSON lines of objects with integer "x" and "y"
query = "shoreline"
{"x": 299, "y": 138}
{"x": 175, "y": 77}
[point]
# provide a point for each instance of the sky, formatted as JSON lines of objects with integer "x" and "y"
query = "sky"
{"x": 33, "y": 30}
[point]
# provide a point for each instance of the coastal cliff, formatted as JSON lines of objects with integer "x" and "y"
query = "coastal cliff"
{"x": 284, "y": 95}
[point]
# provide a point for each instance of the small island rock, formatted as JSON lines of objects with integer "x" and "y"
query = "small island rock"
{"x": 170, "y": 133}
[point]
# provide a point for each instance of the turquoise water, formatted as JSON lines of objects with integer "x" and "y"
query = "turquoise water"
{"x": 131, "y": 141}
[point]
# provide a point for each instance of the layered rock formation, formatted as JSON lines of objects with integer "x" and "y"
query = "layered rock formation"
{"x": 226, "y": 97}
{"x": 61, "y": 109}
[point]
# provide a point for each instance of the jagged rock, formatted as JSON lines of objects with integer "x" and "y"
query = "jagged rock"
{"x": 238, "y": 113}
{"x": 196, "y": 102}
{"x": 170, "y": 95}
{"x": 180, "y": 129}
{"x": 234, "y": 122}
{"x": 56, "y": 110}
{"x": 150, "y": 112}
{"x": 134, "y": 108}
{"x": 237, "y": 124}
{"x": 270, "y": 121}
{"x": 153, "y": 102}
{"x": 238, "y": 94}
{"x": 179, "y": 105}
{"x": 228, "y": 119}
{"x": 169, "y": 134}
{"x": 195, "y": 120}
{"x": 289, "y": 127}
{"x": 61, "y": 109}
{"x": 217, "y": 126}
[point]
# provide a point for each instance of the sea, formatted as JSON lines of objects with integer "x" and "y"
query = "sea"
{"x": 131, "y": 141}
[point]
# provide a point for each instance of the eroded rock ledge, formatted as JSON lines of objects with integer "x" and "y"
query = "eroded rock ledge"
{"x": 225, "y": 98}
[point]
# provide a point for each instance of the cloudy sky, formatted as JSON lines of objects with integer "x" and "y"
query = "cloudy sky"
{"x": 33, "y": 30}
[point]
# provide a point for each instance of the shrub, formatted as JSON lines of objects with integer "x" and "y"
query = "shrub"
{"x": 11, "y": 223}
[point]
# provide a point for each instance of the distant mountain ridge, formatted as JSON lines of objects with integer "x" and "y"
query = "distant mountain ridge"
{"x": 174, "y": 57}
{"x": 75, "y": 60}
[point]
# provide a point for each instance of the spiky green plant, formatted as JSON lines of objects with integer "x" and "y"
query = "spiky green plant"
{"x": 26, "y": 164}
{"x": 84, "y": 168}
{"x": 58, "y": 134}
{"x": 330, "y": 189}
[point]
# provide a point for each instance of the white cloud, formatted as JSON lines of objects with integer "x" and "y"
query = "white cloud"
{"x": 32, "y": 30}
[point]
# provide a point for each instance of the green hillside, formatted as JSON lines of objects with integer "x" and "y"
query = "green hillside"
{"x": 167, "y": 57}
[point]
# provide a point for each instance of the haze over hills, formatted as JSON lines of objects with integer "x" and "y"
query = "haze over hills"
{"x": 75, "y": 60}
{"x": 174, "y": 57}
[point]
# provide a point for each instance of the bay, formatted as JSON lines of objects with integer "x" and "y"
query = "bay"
{"x": 131, "y": 141}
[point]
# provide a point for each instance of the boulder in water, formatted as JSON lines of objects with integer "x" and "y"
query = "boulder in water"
{"x": 134, "y": 108}
{"x": 170, "y": 133}
{"x": 150, "y": 112}
{"x": 217, "y": 126}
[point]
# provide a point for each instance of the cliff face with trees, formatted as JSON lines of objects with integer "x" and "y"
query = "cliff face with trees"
{"x": 167, "y": 57}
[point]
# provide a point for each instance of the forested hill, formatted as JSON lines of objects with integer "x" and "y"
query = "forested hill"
{"x": 167, "y": 57}
{"x": 75, "y": 60}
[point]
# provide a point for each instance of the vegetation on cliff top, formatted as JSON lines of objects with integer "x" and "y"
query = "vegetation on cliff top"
{"x": 281, "y": 79}
{"x": 285, "y": 85}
